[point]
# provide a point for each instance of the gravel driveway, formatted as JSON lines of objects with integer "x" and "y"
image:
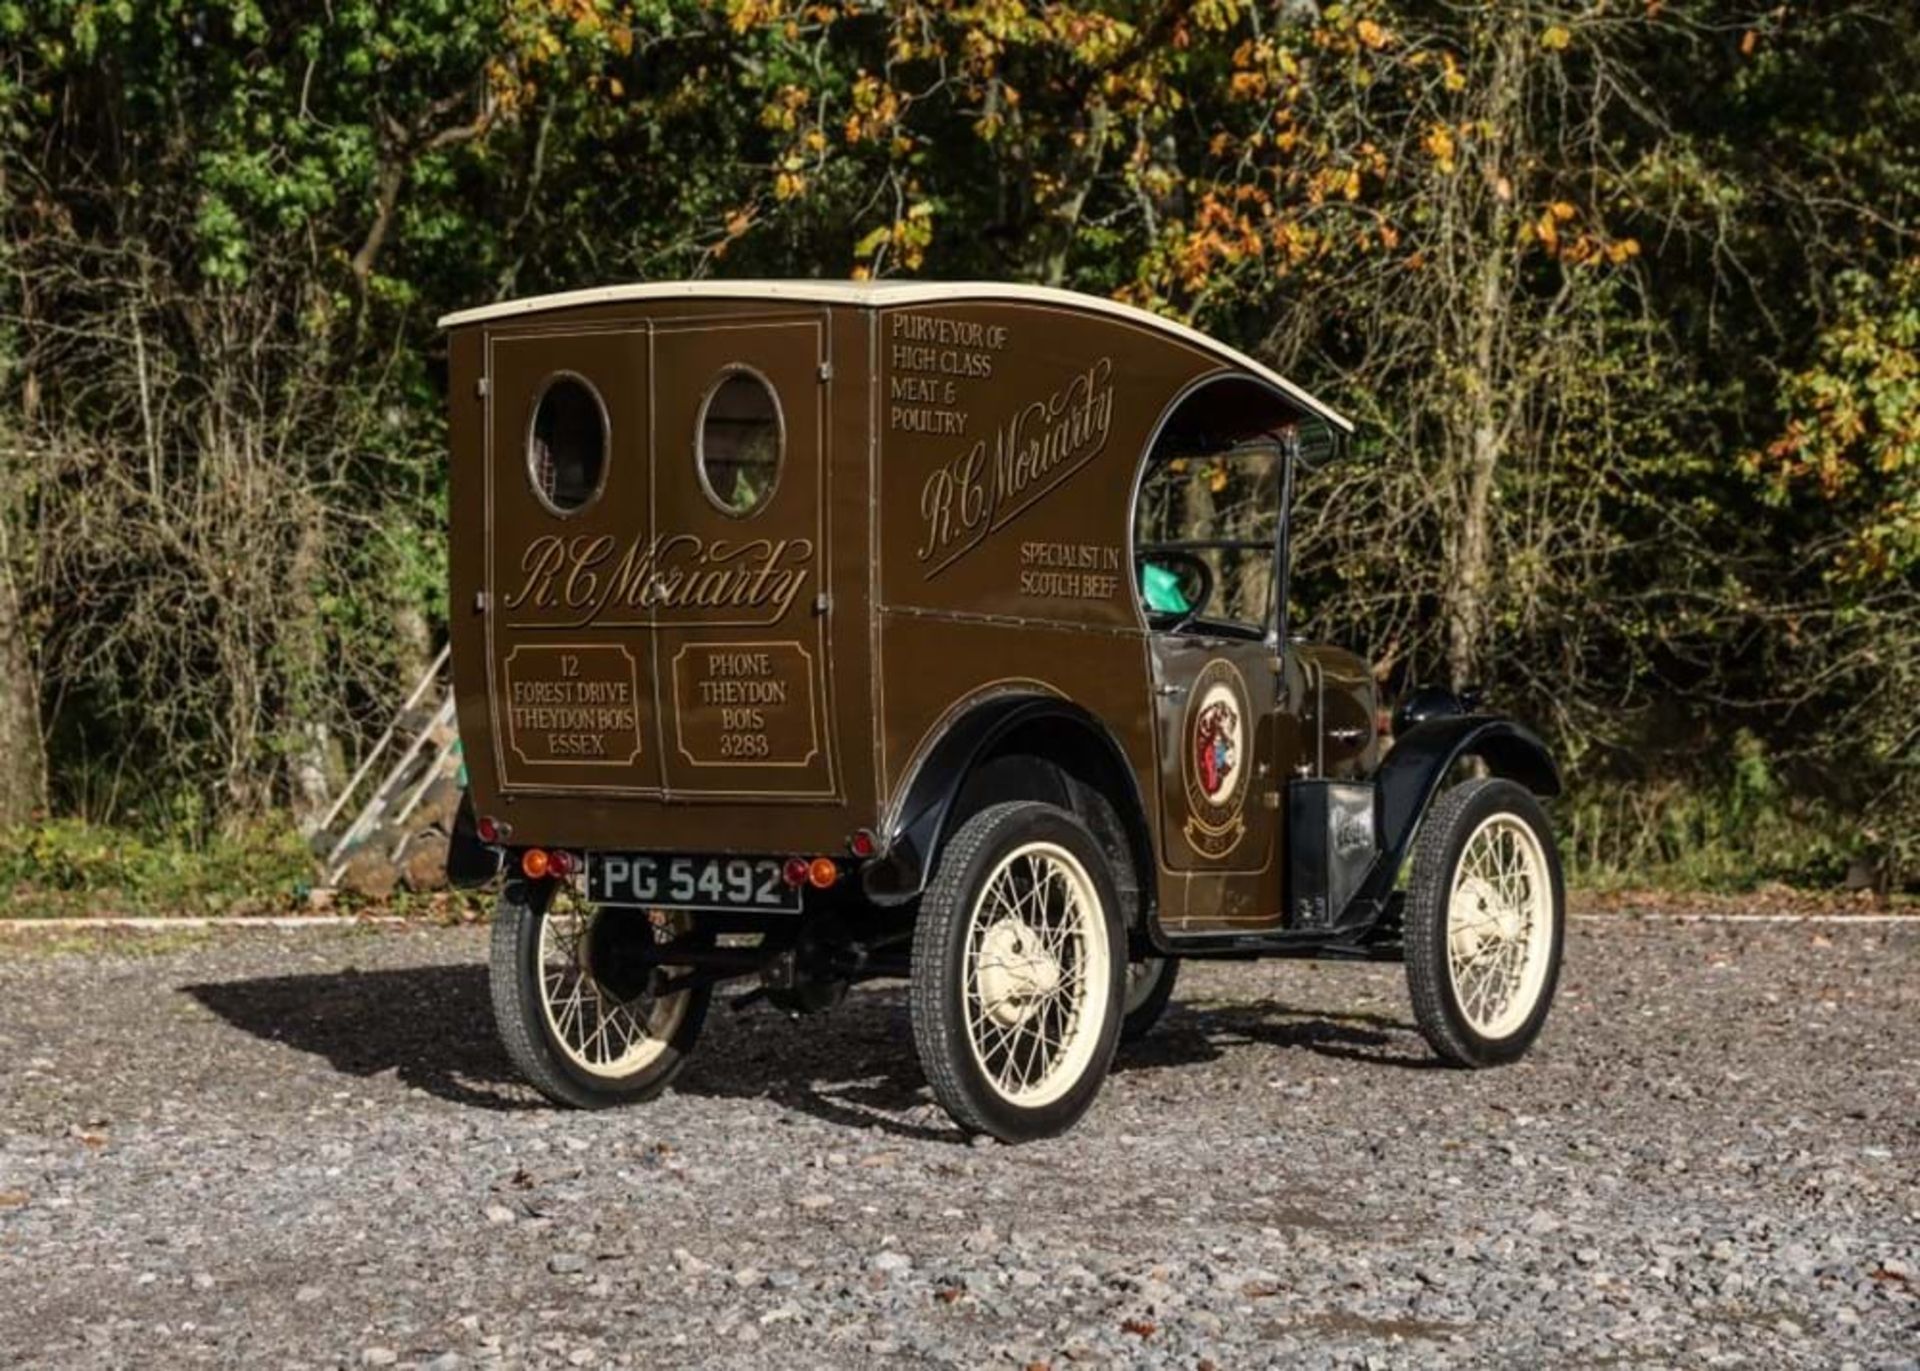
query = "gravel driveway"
{"x": 305, "y": 1148}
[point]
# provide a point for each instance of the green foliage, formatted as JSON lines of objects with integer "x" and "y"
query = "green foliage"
{"x": 1624, "y": 297}
{"x": 67, "y": 867}
{"x": 1744, "y": 827}
{"x": 1852, "y": 431}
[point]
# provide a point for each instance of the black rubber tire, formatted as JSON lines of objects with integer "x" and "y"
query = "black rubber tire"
{"x": 1139, "y": 1020}
{"x": 1437, "y": 851}
{"x": 939, "y": 958}
{"x": 513, "y": 980}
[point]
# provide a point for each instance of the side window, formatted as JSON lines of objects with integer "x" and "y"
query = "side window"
{"x": 1205, "y": 532}
{"x": 567, "y": 444}
{"x": 741, "y": 437}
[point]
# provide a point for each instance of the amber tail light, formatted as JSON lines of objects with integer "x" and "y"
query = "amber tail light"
{"x": 819, "y": 873}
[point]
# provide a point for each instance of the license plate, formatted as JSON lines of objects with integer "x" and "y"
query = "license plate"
{"x": 664, "y": 882}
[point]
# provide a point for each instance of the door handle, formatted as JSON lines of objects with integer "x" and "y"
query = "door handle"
{"x": 1169, "y": 691}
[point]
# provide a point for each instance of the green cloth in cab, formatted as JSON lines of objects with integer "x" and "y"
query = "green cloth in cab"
{"x": 1160, "y": 588}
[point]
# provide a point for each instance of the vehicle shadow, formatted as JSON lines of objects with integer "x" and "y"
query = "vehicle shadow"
{"x": 1191, "y": 1034}
{"x": 431, "y": 1027}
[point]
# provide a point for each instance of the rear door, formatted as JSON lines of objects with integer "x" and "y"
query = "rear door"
{"x": 568, "y": 506}
{"x": 739, "y": 495}
{"x": 656, "y": 544}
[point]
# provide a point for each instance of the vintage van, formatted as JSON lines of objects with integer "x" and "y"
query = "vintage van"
{"x": 813, "y": 632}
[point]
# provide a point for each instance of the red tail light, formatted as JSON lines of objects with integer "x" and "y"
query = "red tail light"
{"x": 562, "y": 863}
{"x": 795, "y": 871}
{"x": 861, "y": 844}
{"x": 490, "y": 830}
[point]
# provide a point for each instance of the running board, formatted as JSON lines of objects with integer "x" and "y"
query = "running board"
{"x": 1374, "y": 939}
{"x": 1248, "y": 947}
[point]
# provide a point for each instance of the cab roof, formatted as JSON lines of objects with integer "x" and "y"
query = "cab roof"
{"x": 882, "y": 294}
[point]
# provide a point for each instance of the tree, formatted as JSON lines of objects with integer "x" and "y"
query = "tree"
{"x": 1616, "y": 292}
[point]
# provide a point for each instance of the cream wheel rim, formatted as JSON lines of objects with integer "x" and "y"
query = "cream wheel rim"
{"x": 1035, "y": 975}
{"x": 1499, "y": 926}
{"x": 601, "y": 1032}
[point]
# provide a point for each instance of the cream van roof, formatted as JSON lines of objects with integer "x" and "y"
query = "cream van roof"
{"x": 880, "y": 294}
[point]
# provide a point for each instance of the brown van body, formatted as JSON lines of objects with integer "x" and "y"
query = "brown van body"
{"x": 950, "y": 540}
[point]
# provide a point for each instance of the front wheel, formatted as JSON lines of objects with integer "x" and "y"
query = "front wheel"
{"x": 1019, "y": 972}
{"x": 1485, "y": 921}
{"x": 582, "y": 1011}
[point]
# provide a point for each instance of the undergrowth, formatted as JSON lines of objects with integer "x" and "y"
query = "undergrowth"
{"x": 1747, "y": 828}
{"x": 71, "y": 868}
{"x": 1747, "y": 833}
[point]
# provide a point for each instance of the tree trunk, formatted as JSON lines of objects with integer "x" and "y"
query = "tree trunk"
{"x": 413, "y": 648}
{"x": 1471, "y": 583}
{"x": 23, "y": 755}
{"x": 1484, "y": 267}
{"x": 1062, "y": 225}
{"x": 311, "y": 760}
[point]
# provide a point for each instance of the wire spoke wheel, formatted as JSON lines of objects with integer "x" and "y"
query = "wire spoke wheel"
{"x": 1033, "y": 961}
{"x": 1499, "y": 925}
{"x": 1019, "y": 972}
{"x": 1143, "y": 977}
{"x": 582, "y": 1008}
{"x": 1149, "y": 990}
{"x": 608, "y": 1020}
{"x": 1485, "y": 921}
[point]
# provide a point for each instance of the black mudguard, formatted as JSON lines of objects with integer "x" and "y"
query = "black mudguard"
{"x": 925, "y": 817}
{"x": 470, "y": 862}
{"x": 1413, "y": 774}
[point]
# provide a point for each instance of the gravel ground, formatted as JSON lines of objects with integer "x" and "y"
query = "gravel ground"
{"x": 304, "y": 1148}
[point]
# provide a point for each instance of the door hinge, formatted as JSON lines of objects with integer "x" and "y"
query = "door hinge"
{"x": 1270, "y": 800}
{"x": 826, "y": 371}
{"x": 822, "y": 603}
{"x": 481, "y": 388}
{"x": 481, "y": 602}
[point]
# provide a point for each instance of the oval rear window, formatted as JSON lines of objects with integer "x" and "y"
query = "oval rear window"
{"x": 739, "y": 444}
{"x": 567, "y": 445}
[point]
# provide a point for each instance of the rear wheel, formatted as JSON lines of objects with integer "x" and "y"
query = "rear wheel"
{"x": 1149, "y": 988}
{"x": 580, "y": 1011}
{"x": 1019, "y": 972}
{"x": 1485, "y": 921}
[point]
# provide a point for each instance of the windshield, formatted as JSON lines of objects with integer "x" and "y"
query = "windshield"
{"x": 1220, "y": 510}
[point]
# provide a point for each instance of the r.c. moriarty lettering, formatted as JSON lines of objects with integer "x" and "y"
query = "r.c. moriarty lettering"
{"x": 1041, "y": 444}
{"x": 598, "y": 578}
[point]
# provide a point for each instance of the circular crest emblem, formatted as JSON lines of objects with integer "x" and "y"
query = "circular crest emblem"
{"x": 1218, "y": 739}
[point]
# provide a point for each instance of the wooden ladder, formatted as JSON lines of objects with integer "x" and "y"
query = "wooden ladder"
{"x": 407, "y": 779}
